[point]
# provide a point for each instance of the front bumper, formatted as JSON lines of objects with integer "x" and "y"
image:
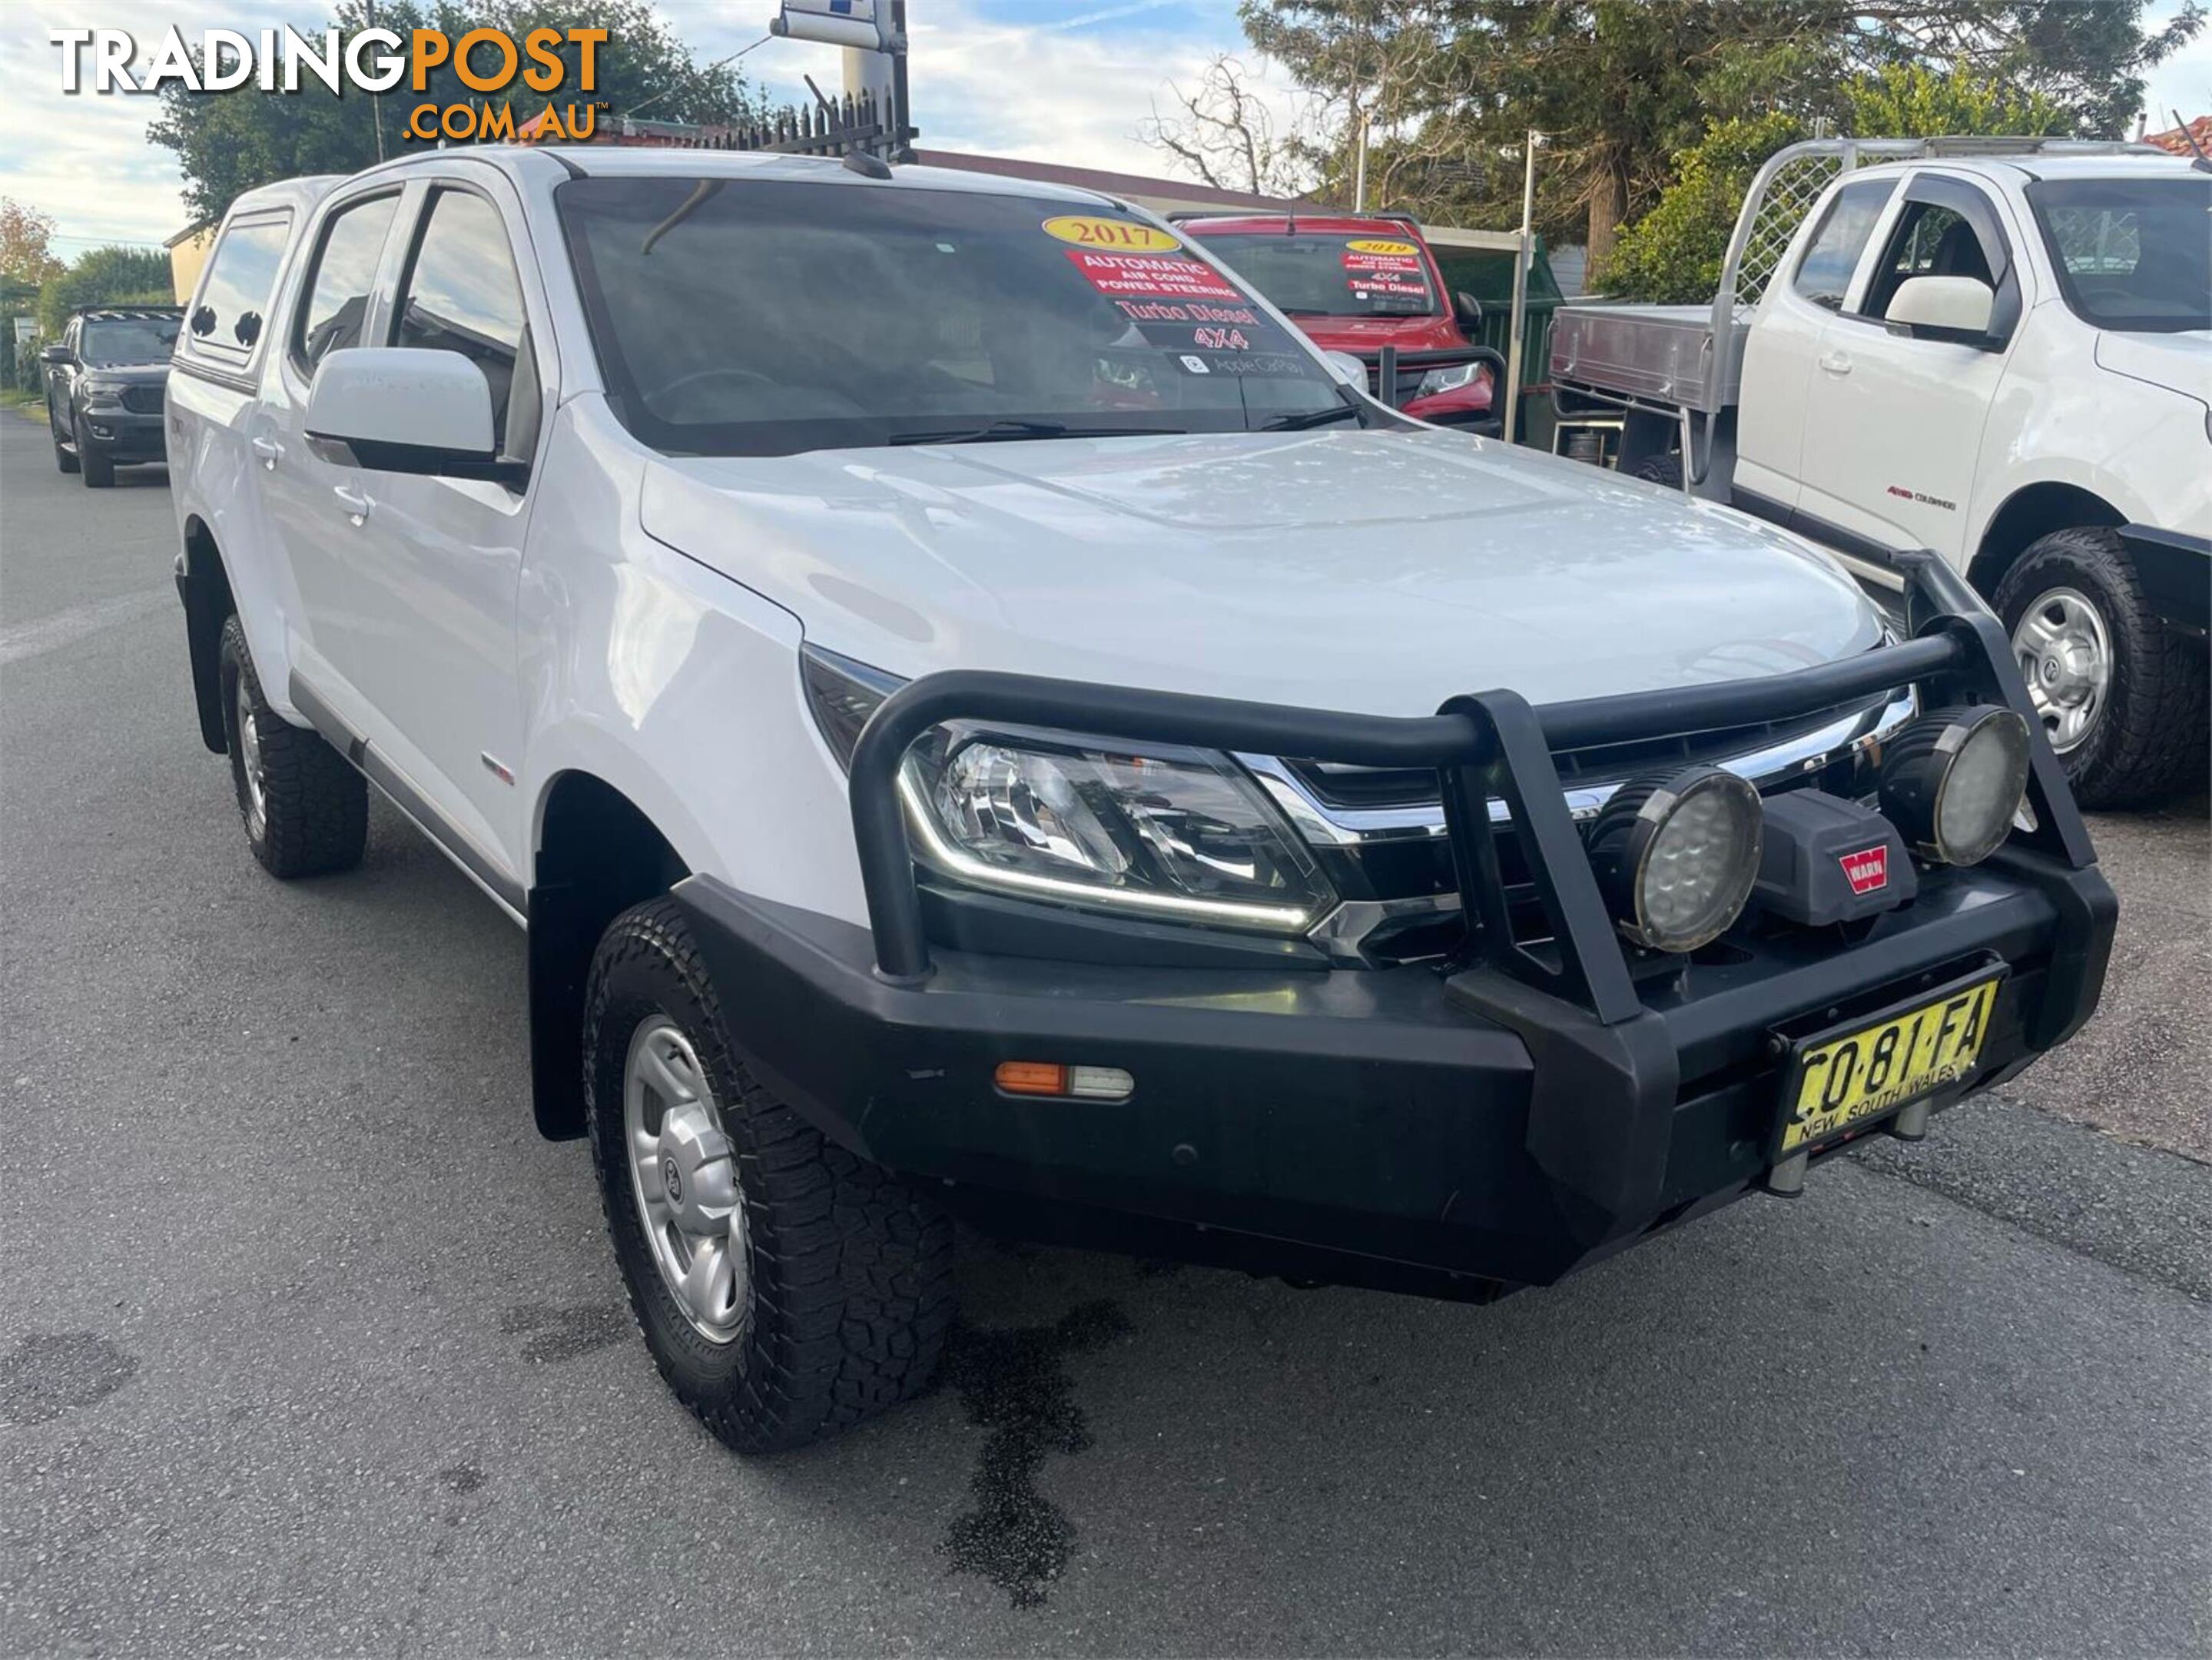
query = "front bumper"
{"x": 1395, "y": 376}
{"x": 1539, "y": 1102}
{"x": 1380, "y": 1126}
{"x": 2175, "y": 571}
{"x": 122, "y": 435}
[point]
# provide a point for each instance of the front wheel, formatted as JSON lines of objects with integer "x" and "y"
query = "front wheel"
{"x": 99, "y": 470}
{"x": 65, "y": 458}
{"x": 2121, "y": 696}
{"x": 786, "y": 1288}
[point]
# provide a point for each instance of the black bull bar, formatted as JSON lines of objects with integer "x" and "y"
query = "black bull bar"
{"x": 1606, "y": 1071}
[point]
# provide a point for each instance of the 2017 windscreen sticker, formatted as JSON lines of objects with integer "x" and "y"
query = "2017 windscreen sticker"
{"x": 1176, "y": 302}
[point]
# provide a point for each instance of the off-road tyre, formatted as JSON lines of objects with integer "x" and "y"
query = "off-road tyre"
{"x": 314, "y": 817}
{"x": 849, "y": 1281}
{"x": 99, "y": 470}
{"x": 1665, "y": 469}
{"x": 848, "y": 1266}
{"x": 65, "y": 459}
{"x": 2150, "y": 740}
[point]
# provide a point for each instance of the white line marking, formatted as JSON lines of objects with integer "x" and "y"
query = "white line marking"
{"x": 66, "y": 628}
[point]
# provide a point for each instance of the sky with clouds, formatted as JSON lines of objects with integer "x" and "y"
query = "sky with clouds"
{"x": 1063, "y": 80}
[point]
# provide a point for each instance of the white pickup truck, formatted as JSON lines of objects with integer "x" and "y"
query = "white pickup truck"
{"x": 978, "y": 718}
{"x": 1999, "y": 349}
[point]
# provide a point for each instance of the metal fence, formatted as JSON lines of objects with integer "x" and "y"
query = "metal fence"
{"x": 833, "y": 126}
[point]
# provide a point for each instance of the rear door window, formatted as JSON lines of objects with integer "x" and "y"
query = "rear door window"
{"x": 228, "y": 316}
{"x": 1823, "y": 274}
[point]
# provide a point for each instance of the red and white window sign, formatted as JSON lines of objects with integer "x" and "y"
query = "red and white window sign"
{"x": 1385, "y": 268}
{"x": 1131, "y": 276}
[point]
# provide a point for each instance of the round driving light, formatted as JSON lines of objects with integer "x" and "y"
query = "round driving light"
{"x": 1952, "y": 780}
{"x": 1676, "y": 855}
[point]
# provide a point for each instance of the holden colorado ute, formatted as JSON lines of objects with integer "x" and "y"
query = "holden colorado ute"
{"x": 1357, "y": 283}
{"x": 1996, "y": 349}
{"x": 977, "y": 718}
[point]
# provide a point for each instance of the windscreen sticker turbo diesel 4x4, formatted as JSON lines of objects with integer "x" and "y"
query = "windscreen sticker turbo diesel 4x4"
{"x": 1176, "y": 301}
{"x": 1391, "y": 270}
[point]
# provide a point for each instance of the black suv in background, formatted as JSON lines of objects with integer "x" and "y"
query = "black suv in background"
{"x": 106, "y": 381}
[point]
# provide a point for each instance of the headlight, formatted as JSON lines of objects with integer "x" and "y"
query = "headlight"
{"x": 1446, "y": 380}
{"x": 102, "y": 395}
{"x": 1178, "y": 835}
{"x": 1676, "y": 855}
{"x": 1952, "y": 780}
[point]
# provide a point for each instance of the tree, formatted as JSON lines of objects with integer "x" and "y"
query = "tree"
{"x": 1623, "y": 87}
{"x": 230, "y": 141}
{"x": 2086, "y": 57}
{"x": 24, "y": 232}
{"x": 109, "y": 276}
{"x": 1386, "y": 66}
{"x": 1674, "y": 254}
{"x": 1225, "y": 134}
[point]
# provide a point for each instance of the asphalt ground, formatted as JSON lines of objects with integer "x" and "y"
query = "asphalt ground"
{"x": 307, "y": 1344}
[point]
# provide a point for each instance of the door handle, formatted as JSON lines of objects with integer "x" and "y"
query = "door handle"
{"x": 1835, "y": 363}
{"x": 269, "y": 451}
{"x": 357, "y": 506}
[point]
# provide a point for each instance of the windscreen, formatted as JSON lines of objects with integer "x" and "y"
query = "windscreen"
{"x": 1316, "y": 276}
{"x": 115, "y": 342}
{"x": 2134, "y": 255}
{"x": 736, "y": 317}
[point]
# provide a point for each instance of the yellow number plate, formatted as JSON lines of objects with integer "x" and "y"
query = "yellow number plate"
{"x": 1842, "y": 1084}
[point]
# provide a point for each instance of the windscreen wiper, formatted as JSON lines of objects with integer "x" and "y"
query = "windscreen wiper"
{"x": 1006, "y": 432}
{"x": 1321, "y": 417}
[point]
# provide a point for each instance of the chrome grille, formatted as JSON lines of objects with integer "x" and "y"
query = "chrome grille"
{"x": 1609, "y": 764}
{"x": 1380, "y": 833}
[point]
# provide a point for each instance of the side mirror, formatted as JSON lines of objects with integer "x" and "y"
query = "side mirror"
{"x": 1955, "y": 308}
{"x": 403, "y": 409}
{"x": 55, "y": 353}
{"x": 1466, "y": 311}
{"x": 1348, "y": 370}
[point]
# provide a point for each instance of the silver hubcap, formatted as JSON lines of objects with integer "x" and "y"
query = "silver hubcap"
{"x": 685, "y": 1176}
{"x": 249, "y": 758}
{"x": 2066, "y": 658}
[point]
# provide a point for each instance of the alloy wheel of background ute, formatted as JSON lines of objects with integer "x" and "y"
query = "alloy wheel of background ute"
{"x": 2144, "y": 737}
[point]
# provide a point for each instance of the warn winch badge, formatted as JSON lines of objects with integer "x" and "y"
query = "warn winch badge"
{"x": 1867, "y": 870}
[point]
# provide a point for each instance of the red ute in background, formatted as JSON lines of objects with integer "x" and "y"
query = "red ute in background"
{"x": 1357, "y": 283}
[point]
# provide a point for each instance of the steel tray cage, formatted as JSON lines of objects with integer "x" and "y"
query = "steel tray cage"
{"x": 1484, "y": 746}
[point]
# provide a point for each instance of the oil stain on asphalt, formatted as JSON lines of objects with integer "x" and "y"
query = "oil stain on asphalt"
{"x": 564, "y": 1333}
{"x": 50, "y": 1374}
{"x": 1014, "y": 1384}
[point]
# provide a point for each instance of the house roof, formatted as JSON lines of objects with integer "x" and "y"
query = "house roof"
{"x": 2173, "y": 138}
